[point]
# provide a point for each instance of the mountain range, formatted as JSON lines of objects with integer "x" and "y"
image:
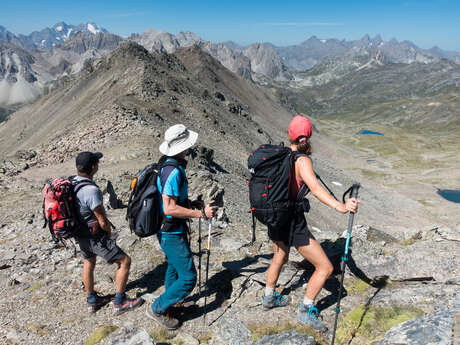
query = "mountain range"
{"x": 32, "y": 64}
{"x": 49, "y": 37}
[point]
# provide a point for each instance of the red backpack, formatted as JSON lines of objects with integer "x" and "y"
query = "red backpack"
{"x": 59, "y": 208}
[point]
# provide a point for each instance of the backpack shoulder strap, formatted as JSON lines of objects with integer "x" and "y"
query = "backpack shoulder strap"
{"x": 164, "y": 177}
{"x": 82, "y": 184}
{"x": 304, "y": 190}
{"x": 78, "y": 185}
{"x": 298, "y": 154}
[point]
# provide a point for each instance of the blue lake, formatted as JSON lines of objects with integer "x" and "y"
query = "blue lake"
{"x": 450, "y": 194}
{"x": 365, "y": 131}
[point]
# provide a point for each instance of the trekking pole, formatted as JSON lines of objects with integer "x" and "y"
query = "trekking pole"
{"x": 353, "y": 191}
{"x": 199, "y": 257}
{"x": 208, "y": 252}
{"x": 253, "y": 239}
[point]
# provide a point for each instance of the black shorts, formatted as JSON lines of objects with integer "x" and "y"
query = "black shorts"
{"x": 103, "y": 247}
{"x": 296, "y": 234}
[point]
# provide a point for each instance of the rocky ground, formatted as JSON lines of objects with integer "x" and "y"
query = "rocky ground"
{"x": 392, "y": 277}
{"x": 402, "y": 281}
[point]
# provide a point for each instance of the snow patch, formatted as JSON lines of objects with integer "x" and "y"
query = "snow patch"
{"x": 19, "y": 92}
{"x": 323, "y": 41}
{"x": 434, "y": 104}
{"x": 92, "y": 29}
{"x": 68, "y": 33}
{"x": 59, "y": 28}
{"x": 43, "y": 42}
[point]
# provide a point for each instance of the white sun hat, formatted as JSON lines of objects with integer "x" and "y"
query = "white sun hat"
{"x": 177, "y": 139}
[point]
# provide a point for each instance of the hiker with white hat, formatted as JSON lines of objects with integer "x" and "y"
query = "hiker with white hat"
{"x": 180, "y": 278}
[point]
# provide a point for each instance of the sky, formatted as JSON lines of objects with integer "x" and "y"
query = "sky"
{"x": 281, "y": 22}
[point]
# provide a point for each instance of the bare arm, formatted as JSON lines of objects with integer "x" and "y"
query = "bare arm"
{"x": 101, "y": 217}
{"x": 171, "y": 208}
{"x": 305, "y": 168}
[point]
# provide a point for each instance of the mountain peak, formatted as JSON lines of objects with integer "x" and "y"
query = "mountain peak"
{"x": 60, "y": 24}
{"x": 377, "y": 39}
{"x": 366, "y": 38}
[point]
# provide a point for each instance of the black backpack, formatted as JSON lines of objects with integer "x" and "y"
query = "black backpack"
{"x": 144, "y": 214}
{"x": 271, "y": 168}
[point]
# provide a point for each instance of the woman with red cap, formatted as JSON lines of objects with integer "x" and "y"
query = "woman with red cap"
{"x": 300, "y": 131}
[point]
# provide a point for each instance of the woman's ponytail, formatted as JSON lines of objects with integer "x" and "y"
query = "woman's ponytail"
{"x": 303, "y": 145}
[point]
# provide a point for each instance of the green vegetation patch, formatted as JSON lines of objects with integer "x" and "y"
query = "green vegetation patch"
{"x": 36, "y": 286}
{"x": 356, "y": 286}
{"x": 409, "y": 242}
{"x": 370, "y": 324}
{"x": 204, "y": 338}
{"x": 261, "y": 330}
{"x": 39, "y": 330}
{"x": 162, "y": 335}
{"x": 99, "y": 334}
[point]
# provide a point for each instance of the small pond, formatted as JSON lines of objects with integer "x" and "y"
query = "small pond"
{"x": 365, "y": 131}
{"x": 450, "y": 194}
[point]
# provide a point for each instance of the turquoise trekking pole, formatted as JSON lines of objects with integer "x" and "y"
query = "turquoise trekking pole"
{"x": 353, "y": 192}
{"x": 199, "y": 257}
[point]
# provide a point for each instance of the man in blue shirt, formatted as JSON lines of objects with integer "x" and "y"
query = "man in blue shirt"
{"x": 172, "y": 183}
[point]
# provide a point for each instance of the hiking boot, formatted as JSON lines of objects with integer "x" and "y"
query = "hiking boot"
{"x": 163, "y": 319}
{"x": 127, "y": 304}
{"x": 182, "y": 307}
{"x": 309, "y": 315}
{"x": 100, "y": 302}
{"x": 275, "y": 300}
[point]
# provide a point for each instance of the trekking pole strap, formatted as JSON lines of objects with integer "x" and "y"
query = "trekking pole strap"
{"x": 326, "y": 186}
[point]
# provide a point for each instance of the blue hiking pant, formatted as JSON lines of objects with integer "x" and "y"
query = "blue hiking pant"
{"x": 180, "y": 276}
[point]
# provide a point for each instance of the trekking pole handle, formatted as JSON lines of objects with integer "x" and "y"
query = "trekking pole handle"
{"x": 209, "y": 234}
{"x": 352, "y": 191}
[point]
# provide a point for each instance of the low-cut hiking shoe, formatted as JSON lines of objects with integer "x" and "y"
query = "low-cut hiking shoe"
{"x": 275, "y": 300}
{"x": 100, "y": 302}
{"x": 182, "y": 307}
{"x": 164, "y": 320}
{"x": 127, "y": 304}
{"x": 309, "y": 315}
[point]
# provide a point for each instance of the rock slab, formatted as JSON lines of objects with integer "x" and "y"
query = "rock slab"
{"x": 431, "y": 329}
{"x": 286, "y": 338}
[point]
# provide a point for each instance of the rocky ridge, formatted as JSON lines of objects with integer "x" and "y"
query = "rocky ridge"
{"x": 255, "y": 59}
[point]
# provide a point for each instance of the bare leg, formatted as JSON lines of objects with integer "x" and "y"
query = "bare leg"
{"x": 122, "y": 273}
{"x": 280, "y": 257}
{"x": 323, "y": 267}
{"x": 88, "y": 273}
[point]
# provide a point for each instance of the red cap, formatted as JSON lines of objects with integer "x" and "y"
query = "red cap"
{"x": 300, "y": 126}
